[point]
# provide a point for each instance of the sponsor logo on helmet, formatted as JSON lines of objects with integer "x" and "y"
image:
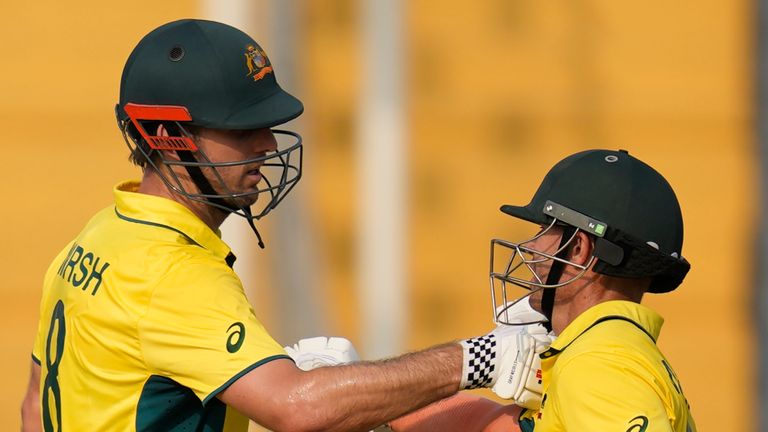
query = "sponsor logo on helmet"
{"x": 257, "y": 62}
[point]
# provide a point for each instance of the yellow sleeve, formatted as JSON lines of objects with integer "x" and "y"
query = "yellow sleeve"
{"x": 601, "y": 394}
{"x": 39, "y": 345}
{"x": 201, "y": 331}
{"x": 42, "y": 328}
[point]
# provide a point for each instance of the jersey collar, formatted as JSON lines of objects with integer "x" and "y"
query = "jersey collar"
{"x": 165, "y": 213}
{"x": 645, "y": 318}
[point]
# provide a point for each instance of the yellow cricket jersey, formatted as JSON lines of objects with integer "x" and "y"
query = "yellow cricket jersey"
{"x": 605, "y": 373}
{"x": 143, "y": 322}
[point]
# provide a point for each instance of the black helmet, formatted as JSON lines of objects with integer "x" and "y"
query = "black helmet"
{"x": 195, "y": 73}
{"x": 627, "y": 205}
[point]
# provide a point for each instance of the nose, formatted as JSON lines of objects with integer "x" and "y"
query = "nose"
{"x": 264, "y": 141}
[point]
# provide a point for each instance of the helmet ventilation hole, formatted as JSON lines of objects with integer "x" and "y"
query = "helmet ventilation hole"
{"x": 611, "y": 158}
{"x": 176, "y": 53}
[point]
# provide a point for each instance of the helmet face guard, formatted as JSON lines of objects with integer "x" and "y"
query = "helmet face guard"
{"x": 280, "y": 169}
{"x": 518, "y": 265}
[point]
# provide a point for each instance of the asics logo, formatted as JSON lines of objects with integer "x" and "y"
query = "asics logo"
{"x": 638, "y": 424}
{"x": 236, "y": 338}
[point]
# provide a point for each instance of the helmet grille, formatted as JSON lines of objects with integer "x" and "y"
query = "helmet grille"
{"x": 171, "y": 143}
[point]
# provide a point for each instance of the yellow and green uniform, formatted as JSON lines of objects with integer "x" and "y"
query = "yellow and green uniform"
{"x": 604, "y": 372}
{"x": 143, "y": 322}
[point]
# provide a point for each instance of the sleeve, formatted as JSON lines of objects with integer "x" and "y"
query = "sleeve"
{"x": 39, "y": 346}
{"x": 595, "y": 393}
{"x": 462, "y": 412}
{"x": 201, "y": 331}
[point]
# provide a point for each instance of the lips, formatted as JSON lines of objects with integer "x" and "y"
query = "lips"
{"x": 254, "y": 174}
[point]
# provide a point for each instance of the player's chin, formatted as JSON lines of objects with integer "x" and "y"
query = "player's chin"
{"x": 245, "y": 200}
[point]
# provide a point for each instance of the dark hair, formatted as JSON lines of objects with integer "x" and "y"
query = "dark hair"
{"x": 141, "y": 151}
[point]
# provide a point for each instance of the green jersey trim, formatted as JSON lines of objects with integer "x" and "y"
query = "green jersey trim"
{"x": 241, "y": 373}
{"x": 527, "y": 425}
{"x": 36, "y": 360}
{"x": 553, "y": 352}
{"x": 154, "y": 224}
{"x": 166, "y": 405}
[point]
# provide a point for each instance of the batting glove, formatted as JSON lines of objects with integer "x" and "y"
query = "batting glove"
{"x": 519, "y": 376}
{"x": 311, "y": 353}
{"x": 520, "y": 311}
{"x": 507, "y": 359}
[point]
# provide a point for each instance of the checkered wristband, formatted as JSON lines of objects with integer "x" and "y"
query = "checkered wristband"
{"x": 479, "y": 368}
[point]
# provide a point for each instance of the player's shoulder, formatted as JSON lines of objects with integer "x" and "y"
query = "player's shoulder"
{"x": 613, "y": 335}
{"x": 609, "y": 345}
{"x": 195, "y": 274}
{"x": 100, "y": 219}
{"x": 157, "y": 250}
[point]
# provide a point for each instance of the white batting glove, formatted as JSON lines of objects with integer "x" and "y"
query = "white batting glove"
{"x": 311, "y": 353}
{"x": 507, "y": 359}
{"x": 520, "y": 312}
{"x": 519, "y": 376}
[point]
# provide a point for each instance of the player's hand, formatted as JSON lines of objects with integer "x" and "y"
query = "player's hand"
{"x": 518, "y": 312}
{"x": 519, "y": 376}
{"x": 523, "y": 386}
{"x": 311, "y": 353}
{"x": 507, "y": 359}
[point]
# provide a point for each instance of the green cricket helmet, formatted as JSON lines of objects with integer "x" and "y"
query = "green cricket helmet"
{"x": 626, "y": 205}
{"x": 190, "y": 74}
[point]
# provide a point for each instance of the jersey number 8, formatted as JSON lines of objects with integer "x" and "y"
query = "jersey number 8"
{"x": 56, "y": 332}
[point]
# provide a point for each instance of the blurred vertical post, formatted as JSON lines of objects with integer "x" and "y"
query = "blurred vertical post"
{"x": 761, "y": 255}
{"x": 234, "y": 230}
{"x": 296, "y": 269}
{"x": 382, "y": 170}
{"x": 293, "y": 288}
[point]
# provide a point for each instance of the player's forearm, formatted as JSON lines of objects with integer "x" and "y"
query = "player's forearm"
{"x": 30, "y": 407}
{"x": 463, "y": 412}
{"x": 30, "y": 414}
{"x": 363, "y": 395}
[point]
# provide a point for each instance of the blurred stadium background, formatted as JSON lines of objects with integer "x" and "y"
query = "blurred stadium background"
{"x": 422, "y": 118}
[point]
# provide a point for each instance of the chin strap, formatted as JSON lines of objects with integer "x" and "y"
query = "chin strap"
{"x": 555, "y": 273}
{"x": 206, "y": 188}
{"x": 249, "y": 218}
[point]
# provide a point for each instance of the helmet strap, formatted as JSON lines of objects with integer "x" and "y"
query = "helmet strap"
{"x": 555, "y": 273}
{"x": 206, "y": 188}
{"x": 200, "y": 181}
{"x": 249, "y": 218}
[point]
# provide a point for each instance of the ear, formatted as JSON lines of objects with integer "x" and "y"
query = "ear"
{"x": 582, "y": 248}
{"x": 166, "y": 154}
{"x": 161, "y": 130}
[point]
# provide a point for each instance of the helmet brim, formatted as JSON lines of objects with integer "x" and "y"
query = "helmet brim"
{"x": 525, "y": 213}
{"x": 278, "y": 108}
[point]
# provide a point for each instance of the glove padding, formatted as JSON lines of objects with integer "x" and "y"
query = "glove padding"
{"x": 520, "y": 311}
{"x": 311, "y": 353}
{"x": 519, "y": 376}
{"x": 507, "y": 359}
